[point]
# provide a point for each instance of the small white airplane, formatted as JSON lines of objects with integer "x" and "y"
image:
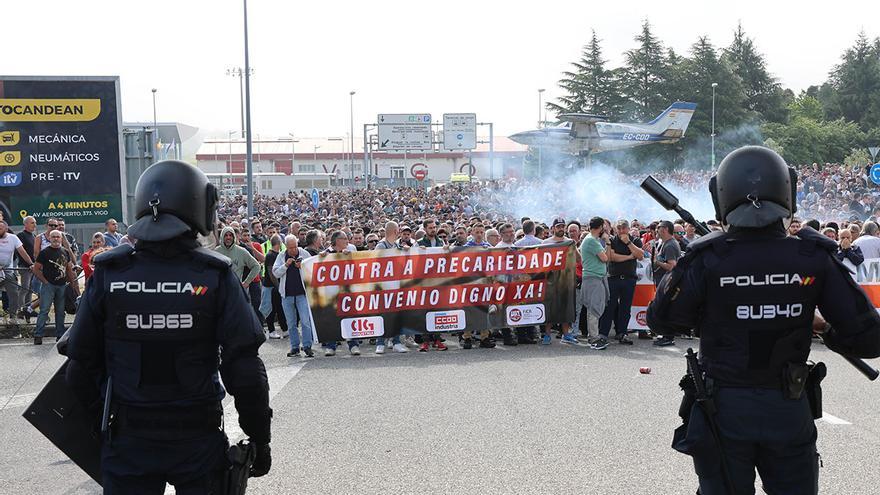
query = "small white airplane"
{"x": 582, "y": 134}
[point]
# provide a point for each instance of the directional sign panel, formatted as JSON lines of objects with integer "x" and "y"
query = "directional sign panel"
{"x": 405, "y": 131}
{"x": 459, "y": 131}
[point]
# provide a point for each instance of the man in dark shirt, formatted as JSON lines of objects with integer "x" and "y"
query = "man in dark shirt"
{"x": 54, "y": 269}
{"x": 270, "y": 303}
{"x": 27, "y": 238}
{"x": 666, "y": 254}
{"x": 625, "y": 254}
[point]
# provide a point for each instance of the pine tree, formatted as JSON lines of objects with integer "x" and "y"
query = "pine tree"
{"x": 646, "y": 73}
{"x": 763, "y": 93}
{"x": 856, "y": 84}
{"x": 589, "y": 87}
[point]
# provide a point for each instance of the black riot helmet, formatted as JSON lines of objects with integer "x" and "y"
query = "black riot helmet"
{"x": 753, "y": 187}
{"x": 172, "y": 198}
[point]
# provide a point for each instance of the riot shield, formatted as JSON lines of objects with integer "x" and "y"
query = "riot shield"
{"x": 60, "y": 417}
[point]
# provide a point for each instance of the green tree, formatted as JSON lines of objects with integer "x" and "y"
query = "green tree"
{"x": 806, "y": 140}
{"x": 807, "y": 107}
{"x": 703, "y": 68}
{"x": 856, "y": 84}
{"x": 763, "y": 94}
{"x": 646, "y": 72}
{"x": 589, "y": 87}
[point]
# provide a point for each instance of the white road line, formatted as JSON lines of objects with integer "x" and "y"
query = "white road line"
{"x": 833, "y": 420}
{"x": 20, "y": 400}
{"x": 16, "y": 344}
{"x": 278, "y": 379}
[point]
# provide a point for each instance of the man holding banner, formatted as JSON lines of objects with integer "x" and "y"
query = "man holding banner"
{"x": 372, "y": 294}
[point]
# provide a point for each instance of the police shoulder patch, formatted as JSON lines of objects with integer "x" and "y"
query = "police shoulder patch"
{"x": 117, "y": 255}
{"x": 707, "y": 240}
{"x": 808, "y": 234}
{"x": 211, "y": 258}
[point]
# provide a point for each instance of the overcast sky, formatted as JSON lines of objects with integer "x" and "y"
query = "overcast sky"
{"x": 399, "y": 56}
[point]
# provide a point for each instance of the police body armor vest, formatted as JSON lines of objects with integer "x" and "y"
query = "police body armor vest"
{"x": 160, "y": 342}
{"x": 760, "y": 296}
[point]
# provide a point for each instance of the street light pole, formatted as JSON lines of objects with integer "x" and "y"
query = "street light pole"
{"x": 540, "y": 94}
{"x": 316, "y": 155}
{"x": 155, "y": 150}
{"x": 351, "y": 138}
{"x": 714, "y": 85}
{"x": 247, "y": 105}
{"x": 292, "y": 152}
{"x": 540, "y": 126}
{"x": 154, "y": 109}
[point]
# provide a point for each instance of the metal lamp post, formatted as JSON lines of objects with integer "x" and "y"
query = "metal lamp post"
{"x": 540, "y": 126}
{"x": 247, "y": 115}
{"x": 351, "y": 131}
{"x": 292, "y": 152}
{"x": 714, "y": 85}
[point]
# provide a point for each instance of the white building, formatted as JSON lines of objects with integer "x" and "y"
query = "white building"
{"x": 282, "y": 164}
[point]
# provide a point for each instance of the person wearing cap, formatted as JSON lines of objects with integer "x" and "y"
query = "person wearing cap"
{"x": 405, "y": 241}
{"x": 558, "y": 230}
{"x": 429, "y": 240}
{"x": 594, "y": 287}
{"x": 666, "y": 255}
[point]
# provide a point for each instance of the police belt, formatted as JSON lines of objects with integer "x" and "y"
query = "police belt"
{"x": 208, "y": 417}
{"x": 624, "y": 277}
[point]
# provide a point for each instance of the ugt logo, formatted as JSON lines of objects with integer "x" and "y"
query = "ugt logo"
{"x": 515, "y": 315}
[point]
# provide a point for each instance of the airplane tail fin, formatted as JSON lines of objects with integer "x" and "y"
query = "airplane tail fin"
{"x": 673, "y": 121}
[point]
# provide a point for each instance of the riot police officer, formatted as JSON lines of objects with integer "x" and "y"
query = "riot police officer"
{"x": 159, "y": 320}
{"x": 751, "y": 294}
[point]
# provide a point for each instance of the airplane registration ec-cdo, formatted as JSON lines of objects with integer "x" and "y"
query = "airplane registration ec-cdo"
{"x": 582, "y": 134}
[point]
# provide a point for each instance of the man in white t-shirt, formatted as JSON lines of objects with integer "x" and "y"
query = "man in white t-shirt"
{"x": 9, "y": 245}
{"x": 869, "y": 240}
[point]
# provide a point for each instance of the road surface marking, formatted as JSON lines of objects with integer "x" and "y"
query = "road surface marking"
{"x": 278, "y": 378}
{"x": 20, "y": 400}
{"x": 833, "y": 420}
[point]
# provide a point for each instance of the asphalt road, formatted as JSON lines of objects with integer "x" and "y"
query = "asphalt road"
{"x": 526, "y": 419}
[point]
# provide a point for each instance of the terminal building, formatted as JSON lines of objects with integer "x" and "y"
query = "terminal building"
{"x": 286, "y": 164}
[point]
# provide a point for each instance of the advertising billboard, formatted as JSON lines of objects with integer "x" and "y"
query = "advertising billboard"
{"x": 60, "y": 149}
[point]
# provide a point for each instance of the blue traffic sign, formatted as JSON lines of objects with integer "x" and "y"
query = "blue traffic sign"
{"x": 315, "y": 199}
{"x": 875, "y": 173}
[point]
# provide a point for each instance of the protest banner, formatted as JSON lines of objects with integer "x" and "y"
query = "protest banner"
{"x": 369, "y": 294}
{"x": 867, "y": 275}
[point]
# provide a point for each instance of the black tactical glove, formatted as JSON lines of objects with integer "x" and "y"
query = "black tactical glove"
{"x": 263, "y": 461}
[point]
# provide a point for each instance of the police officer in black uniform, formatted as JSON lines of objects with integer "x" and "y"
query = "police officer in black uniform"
{"x": 751, "y": 294}
{"x": 161, "y": 319}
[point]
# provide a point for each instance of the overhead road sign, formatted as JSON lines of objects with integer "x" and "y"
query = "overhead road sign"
{"x": 459, "y": 131}
{"x": 405, "y": 132}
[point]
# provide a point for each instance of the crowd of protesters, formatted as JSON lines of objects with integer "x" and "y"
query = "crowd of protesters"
{"x": 266, "y": 251}
{"x": 464, "y": 215}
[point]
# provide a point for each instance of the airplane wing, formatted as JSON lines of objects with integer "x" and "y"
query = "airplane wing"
{"x": 583, "y": 125}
